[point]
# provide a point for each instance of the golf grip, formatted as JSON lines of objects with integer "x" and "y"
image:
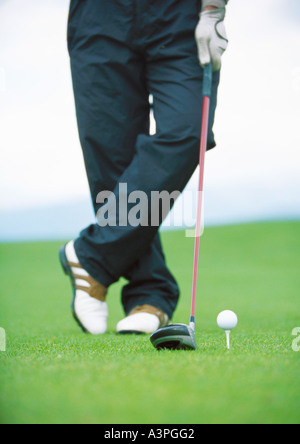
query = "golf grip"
{"x": 207, "y": 88}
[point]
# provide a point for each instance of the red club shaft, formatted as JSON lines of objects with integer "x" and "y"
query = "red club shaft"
{"x": 203, "y": 147}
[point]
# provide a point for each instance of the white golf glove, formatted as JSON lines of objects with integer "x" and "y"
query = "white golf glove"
{"x": 211, "y": 34}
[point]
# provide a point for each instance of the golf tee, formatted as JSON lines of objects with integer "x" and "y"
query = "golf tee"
{"x": 228, "y": 339}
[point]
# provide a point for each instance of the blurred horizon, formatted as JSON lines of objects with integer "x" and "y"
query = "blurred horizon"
{"x": 65, "y": 220}
{"x": 253, "y": 175}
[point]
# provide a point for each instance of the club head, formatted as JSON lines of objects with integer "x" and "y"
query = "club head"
{"x": 174, "y": 337}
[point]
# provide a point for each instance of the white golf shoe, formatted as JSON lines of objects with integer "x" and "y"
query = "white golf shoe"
{"x": 89, "y": 307}
{"x": 143, "y": 319}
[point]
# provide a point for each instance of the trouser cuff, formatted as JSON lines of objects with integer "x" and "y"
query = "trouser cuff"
{"x": 96, "y": 270}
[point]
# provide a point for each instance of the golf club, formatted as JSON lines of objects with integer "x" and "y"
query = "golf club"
{"x": 182, "y": 336}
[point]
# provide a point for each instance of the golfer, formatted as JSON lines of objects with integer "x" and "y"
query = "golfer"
{"x": 121, "y": 52}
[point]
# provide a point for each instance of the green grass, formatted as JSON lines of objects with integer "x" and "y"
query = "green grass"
{"x": 52, "y": 373}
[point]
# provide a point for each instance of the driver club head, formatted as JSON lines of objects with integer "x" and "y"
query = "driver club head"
{"x": 174, "y": 337}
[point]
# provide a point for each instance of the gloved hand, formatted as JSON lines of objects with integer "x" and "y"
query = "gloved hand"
{"x": 210, "y": 33}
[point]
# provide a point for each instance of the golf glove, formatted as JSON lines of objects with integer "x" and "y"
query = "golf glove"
{"x": 211, "y": 34}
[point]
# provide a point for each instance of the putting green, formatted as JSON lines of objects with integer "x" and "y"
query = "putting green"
{"x": 52, "y": 373}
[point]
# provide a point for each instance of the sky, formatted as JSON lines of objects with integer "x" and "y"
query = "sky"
{"x": 254, "y": 172}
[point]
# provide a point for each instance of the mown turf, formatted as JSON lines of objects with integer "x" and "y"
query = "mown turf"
{"x": 52, "y": 373}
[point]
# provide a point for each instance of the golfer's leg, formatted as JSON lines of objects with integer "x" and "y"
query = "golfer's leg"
{"x": 112, "y": 110}
{"x": 109, "y": 121}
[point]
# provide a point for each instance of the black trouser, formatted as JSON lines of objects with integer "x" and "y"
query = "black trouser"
{"x": 122, "y": 51}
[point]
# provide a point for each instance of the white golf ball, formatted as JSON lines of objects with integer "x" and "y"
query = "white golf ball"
{"x": 227, "y": 320}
